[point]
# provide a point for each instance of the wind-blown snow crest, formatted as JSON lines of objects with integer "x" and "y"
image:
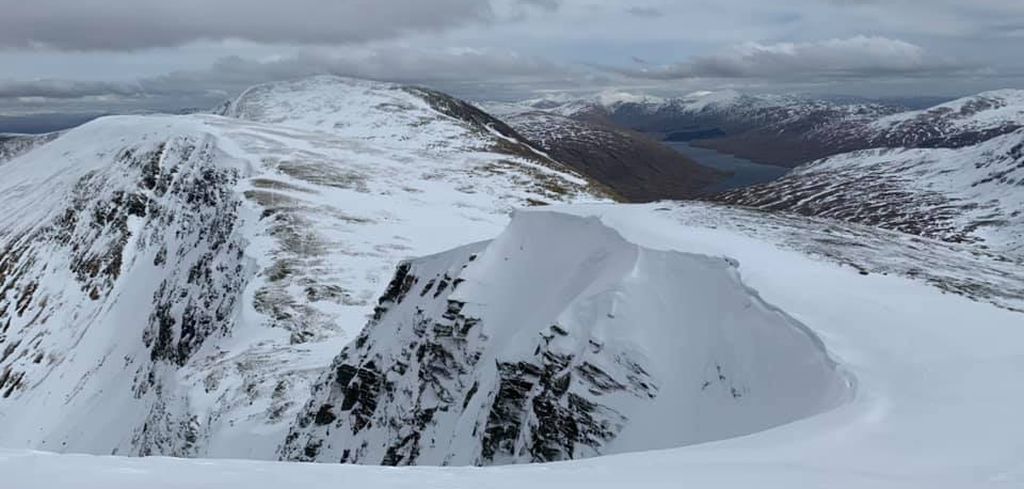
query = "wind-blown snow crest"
{"x": 559, "y": 340}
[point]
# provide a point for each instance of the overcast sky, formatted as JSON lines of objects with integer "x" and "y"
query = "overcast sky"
{"x": 124, "y": 55}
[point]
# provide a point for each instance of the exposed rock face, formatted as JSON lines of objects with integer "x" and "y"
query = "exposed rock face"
{"x": 546, "y": 345}
{"x": 162, "y": 216}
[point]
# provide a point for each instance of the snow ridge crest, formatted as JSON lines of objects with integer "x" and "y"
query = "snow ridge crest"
{"x": 560, "y": 340}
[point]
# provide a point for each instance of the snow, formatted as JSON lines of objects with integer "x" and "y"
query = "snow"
{"x": 612, "y": 98}
{"x": 703, "y": 100}
{"x": 934, "y": 404}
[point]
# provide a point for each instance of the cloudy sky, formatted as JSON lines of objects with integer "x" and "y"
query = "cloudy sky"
{"x": 125, "y": 55}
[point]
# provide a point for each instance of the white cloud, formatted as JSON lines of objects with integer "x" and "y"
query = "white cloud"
{"x": 859, "y": 56}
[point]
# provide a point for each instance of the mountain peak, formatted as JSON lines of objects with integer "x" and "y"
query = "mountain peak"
{"x": 195, "y": 268}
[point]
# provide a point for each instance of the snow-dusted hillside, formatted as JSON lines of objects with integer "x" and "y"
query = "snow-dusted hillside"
{"x": 926, "y": 330}
{"x": 728, "y": 110}
{"x": 952, "y": 172}
{"x": 635, "y": 166}
{"x": 561, "y": 340}
{"x": 775, "y": 129}
{"x": 962, "y": 122}
{"x": 973, "y": 193}
{"x": 790, "y": 130}
{"x": 172, "y": 284}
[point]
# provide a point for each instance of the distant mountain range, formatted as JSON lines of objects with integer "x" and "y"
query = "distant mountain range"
{"x": 953, "y": 172}
{"x": 789, "y": 130}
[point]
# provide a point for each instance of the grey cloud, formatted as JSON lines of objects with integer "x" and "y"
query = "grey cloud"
{"x": 394, "y": 63}
{"x": 137, "y": 24}
{"x": 459, "y": 70}
{"x": 651, "y": 12}
{"x": 63, "y": 89}
{"x": 859, "y": 56}
{"x": 549, "y": 5}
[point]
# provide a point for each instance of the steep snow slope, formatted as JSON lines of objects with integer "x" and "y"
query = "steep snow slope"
{"x": 561, "y": 340}
{"x": 634, "y": 165}
{"x": 924, "y": 327}
{"x": 972, "y": 194}
{"x": 172, "y": 284}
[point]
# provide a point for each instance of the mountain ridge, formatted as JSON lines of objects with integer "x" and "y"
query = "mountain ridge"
{"x": 216, "y": 262}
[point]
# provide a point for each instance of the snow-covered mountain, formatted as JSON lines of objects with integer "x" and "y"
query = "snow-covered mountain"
{"x": 970, "y": 192}
{"x": 559, "y": 340}
{"x": 776, "y": 129}
{"x": 173, "y": 284}
{"x": 635, "y": 166}
{"x": 962, "y": 122}
{"x": 790, "y": 130}
{"x": 928, "y": 334}
{"x": 732, "y": 112}
{"x": 951, "y": 172}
